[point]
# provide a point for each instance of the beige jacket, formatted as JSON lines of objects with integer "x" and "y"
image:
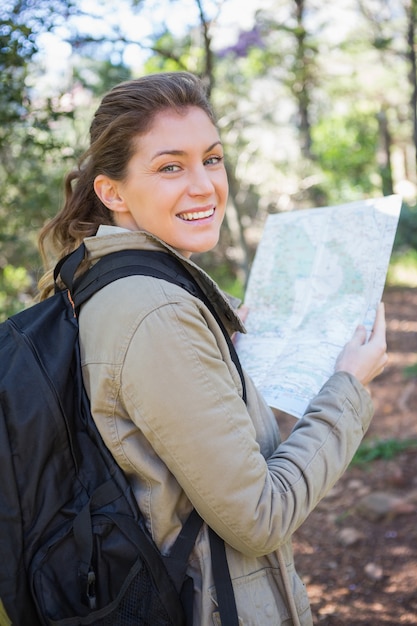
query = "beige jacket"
{"x": 166, "y": 398}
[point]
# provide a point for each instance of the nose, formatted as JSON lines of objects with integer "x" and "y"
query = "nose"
{"x": 200, "y": 182}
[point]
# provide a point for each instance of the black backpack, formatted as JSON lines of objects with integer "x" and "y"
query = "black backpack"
{"x": 74, "y": 548}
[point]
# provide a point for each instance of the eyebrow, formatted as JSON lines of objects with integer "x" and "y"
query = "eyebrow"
{"x": 181, "y": 152}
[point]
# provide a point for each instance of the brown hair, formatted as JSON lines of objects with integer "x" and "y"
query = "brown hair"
{"x": 126, "y": 112}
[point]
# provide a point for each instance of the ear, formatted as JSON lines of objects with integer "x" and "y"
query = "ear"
{"x": 107, "y": 190}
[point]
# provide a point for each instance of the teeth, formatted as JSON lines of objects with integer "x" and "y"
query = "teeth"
{"x": 199, "y": 215}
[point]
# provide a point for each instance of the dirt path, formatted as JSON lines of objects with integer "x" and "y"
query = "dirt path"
{"x": 357, "y": 553}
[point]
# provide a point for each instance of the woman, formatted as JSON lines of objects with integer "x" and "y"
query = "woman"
{"x": 165, "y": 393}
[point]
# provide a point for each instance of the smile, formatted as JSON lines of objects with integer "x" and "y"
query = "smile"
{"x": 196, "y": 215}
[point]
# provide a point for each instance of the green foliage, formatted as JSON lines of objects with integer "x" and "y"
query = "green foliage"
{"x": 411, "y": 371}
{"x": 30, "y": 186}
{"x": 100, "y": 76}
{"x": 406, "y": 236}
{"x": 31, "y": 151}
{"x": 15, "y": 290}
{"x": 345, "y": 147}
{"x": 227, "y": 280}
{"x": 402, "y": 270}
{"x": 173, "y": 55}
{"x": 385, "y": 449}
{"x": 16, "y": 49}
{"x": 20, "y": 23}
{"x": 273, "y": 85}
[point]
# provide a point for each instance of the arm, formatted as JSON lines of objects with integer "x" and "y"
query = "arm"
{"x": 184, "y": 397}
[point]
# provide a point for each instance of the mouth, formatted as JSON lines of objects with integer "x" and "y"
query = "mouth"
{"x": 193, "y": 216}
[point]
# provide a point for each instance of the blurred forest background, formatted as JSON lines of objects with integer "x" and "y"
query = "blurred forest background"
{"x": 316, "y": 103}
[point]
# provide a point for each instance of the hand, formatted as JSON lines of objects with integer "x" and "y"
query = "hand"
{"x": 365, "y": 360}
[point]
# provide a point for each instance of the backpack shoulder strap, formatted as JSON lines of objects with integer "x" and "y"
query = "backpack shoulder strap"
{"x": 147, "y": 263}
{"x": 128, "y": 263}
{"x": 165, "y": 266}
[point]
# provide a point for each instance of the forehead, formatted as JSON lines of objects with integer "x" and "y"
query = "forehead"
{"x": 173, "y": 113}
{"x": 180, "y": 126}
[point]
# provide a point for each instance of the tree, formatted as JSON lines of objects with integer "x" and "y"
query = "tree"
{"x": 28, "y": 149}
{"x": 345, "y": 146}
{"x": 411, "y": 16}
{"x": 295, "y": 49}
{"x": 308, "y": 113}
{"x": 392, "y": 32}
{"x": 21, "y": 21}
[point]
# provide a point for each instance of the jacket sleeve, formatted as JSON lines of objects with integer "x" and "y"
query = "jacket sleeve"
{"x": 185, "y": 399}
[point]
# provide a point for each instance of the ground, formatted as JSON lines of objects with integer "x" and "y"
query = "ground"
{"x": 357, "y": 552}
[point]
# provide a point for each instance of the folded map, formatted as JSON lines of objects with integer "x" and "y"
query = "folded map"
{"x": 316, "y": 275}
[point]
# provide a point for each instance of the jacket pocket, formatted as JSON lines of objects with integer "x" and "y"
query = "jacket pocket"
{"x": 259, "y": 599}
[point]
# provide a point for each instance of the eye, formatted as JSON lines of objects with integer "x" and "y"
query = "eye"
{"x": 213, "y": 160}
{"x": 170, "y": 168}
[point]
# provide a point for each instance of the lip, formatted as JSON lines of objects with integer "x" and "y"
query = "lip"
{"x": 197, "y": 214}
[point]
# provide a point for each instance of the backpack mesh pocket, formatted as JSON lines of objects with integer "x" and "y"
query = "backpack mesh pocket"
{"x": 140, "y": 605}
{"x": 125, "y": 587}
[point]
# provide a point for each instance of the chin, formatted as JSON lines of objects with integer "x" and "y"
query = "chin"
{"x": 205, "y": 248}
{"x": 197, "y": 246}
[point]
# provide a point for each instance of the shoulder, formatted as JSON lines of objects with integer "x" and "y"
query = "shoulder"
{"x": 126, "y": 305}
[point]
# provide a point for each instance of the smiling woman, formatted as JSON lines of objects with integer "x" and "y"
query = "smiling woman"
{"x": 185, "y": 424}
{"x": 175, "y": 186}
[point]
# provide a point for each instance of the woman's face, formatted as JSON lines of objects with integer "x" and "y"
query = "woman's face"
{"x": 176, "y": 186}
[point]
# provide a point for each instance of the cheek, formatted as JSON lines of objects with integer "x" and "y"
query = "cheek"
{"x": 225, "y": 185}
{"x": 225, "y": 193}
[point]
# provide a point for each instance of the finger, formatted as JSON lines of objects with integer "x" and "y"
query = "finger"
{"x": 379, "y": 324}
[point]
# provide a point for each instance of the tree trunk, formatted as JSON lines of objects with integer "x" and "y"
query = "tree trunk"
{"x": 302, "y": 92}
{"x": 207, "y": 73}
{"x": 385, "y": 166}
{"x": 411, "y": 55}
{"x": 235, "y": 226}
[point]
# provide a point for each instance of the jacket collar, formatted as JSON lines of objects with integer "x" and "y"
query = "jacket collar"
{"x": 112, "y": 238}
